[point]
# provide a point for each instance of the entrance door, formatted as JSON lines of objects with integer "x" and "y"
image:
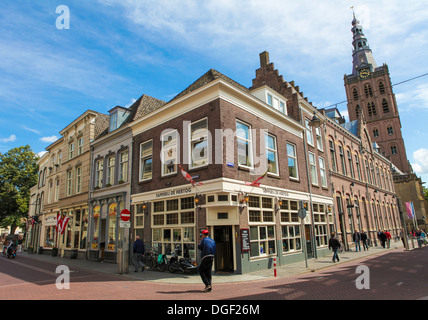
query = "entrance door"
{"x": 308, "y": 237}
{"x": 224, "y": 245}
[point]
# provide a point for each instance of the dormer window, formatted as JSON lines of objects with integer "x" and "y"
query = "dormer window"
{"x": 117, "y": 116}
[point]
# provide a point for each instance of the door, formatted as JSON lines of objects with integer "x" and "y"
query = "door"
{"x": 224, "y": 245}
{"x": 308, "y": 237}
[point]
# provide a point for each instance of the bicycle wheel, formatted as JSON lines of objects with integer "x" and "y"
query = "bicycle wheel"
{"x": 149, "y": 263}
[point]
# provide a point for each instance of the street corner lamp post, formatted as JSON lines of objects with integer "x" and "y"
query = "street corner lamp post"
{"x": 315, "y": 122}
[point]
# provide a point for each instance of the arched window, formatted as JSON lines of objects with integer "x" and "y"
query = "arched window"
{"x": 381, "y": 88}
{"x": 368, "y": 90}
{"x": 385, "y": 106}
{"x": 355, "y": 93}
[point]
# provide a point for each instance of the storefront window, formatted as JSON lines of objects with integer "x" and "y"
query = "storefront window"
{"x": 49, "y": 236}
{"x": 96, "y": 227}
{"x": 112, "y": 226}
{"x": 84, "y": 229}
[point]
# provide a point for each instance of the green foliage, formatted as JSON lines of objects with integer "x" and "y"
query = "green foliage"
{"x": 18, "y": 173}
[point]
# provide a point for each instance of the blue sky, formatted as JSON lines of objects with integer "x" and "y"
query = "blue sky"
{"x": 116, "y": 50}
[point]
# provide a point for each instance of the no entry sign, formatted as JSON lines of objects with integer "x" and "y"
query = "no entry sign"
{"x": 125, "y": 215}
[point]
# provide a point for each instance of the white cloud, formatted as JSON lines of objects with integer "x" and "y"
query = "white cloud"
{"x": 420, "y": 157}
{"x": 29, "y": 129}
{"x": 11, "y": 138}
{"x": 49, "y": 139}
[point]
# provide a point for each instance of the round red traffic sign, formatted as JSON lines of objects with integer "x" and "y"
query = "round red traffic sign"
{"x": 125, "y": 215}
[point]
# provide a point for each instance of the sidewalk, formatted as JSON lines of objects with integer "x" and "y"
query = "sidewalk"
{"x": 177, "y": 278}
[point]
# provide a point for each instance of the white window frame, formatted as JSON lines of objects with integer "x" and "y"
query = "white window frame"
{"x": 294, "y": 157}
{"x": 111, "y": 165}
{"x": 145, "y": 157}
{"x": 318, "y": 134}
{"x": 275, "y": 152}
{"x": 79, "y": 179}
{"x": 194, "y": 139}
{"x": 309, "y": 133}
{"x": 175, "y": 144}
{"x": 313, "y": 168}
{"x": 323, "y": 173}
{"x": 123, "y": 166}
{"x": 99, "y": 171}
{"x": 250, "y": 155}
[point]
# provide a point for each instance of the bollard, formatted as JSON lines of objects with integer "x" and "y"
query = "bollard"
{"x": 274, "y": 267}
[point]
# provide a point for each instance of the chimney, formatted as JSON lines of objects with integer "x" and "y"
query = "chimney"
{"x": 264, "y": 58}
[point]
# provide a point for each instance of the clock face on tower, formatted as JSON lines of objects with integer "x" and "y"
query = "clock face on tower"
{"x": 364, "y": 73}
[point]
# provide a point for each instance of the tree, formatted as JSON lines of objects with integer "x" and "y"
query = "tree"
{"x": 18, "y": 173}
{"x": 425, "y": 192}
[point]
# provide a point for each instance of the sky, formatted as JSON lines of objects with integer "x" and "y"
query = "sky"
{"x": 55, "y": 64}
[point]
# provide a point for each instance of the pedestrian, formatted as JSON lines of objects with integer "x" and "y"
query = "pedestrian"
{"x": 208, "y": 249}
{"x": 334, "y": 244}
{"x": 356, "y": 237}
{"x": 138, "y": 250}
{"x": 364, "y": 240}
{"x": 402, "y": 238}
{"x": 424, "y": 237}
{"x": 388, "y": 238}
{"x": 382, "y": 238}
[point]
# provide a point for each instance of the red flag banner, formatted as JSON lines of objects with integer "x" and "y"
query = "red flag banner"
{"x": 256, "y": 183}
{"x": 188, "y": 177}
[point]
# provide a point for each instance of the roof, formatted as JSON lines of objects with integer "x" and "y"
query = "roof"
{"x": 206, "y": 78}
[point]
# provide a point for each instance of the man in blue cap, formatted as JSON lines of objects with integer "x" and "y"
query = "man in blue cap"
{"x": 207, "y": 247}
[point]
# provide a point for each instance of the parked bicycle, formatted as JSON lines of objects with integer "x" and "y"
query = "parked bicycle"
{"x": 155, "y": 261}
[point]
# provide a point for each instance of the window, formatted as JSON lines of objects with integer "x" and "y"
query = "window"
{"x": 199, "y": 143}
{"x": 385, "y": 106}
{"x": 323, "y": 172}
{"x": 342, "y": 160}
{"x": 269, "y": 99}
{"x": 271, "y": 153}
{"x": 80, "y": 146}
{"x": 367, "y": 171}
{"x": 69, "y": 182}
{"x": 313, "y": 169}
{"x": 70, "y": 150}
{"x": 146, "y": 158}
{"x": 290, "y": 226}
{"x": 292, "y": 161}
{"x": 381, "y": 88}
{"x": 112, "y": 226}
{"x": 123, "y": 167}
{"x": 355, "y": 94}
{"x": 173, "y": 226}
{"x": 368, "y": 90}
{"x": 57, "y": 189}
{"x": 320, "y": 221}
{"x": 111, "y": 162}
{"x": 78, "y": 179}
{"x": 390, "y": 131}
{"x": 332, "y": 156}
{"x": 262, "y": 241}
{"x": 351, "y": 167}
{"x": 113, "y": 122}
{"x": 357, "y": 162}
{"x": 319, "y": 139}
{"x": 375, "y": 133}
{"x": 309, "y": 135}
{"x": 169, "y": 152}
{"x": 99, "y": 173}
{"x": 282, "y": 107}
{"x": 245, "y": 146}
{"x": 394, "y": 150}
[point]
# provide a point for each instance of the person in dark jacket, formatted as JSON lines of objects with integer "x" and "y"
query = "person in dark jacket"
{"x": 334, "y": 244}
{"x": 357, "y": 238}
{"x": 364, "y": 240}
{"x": 138, "y": 250}
{"x": 382, "y": 238}
{"x": 208, "y": 248}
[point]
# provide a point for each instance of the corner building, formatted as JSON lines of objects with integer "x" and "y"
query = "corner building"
{"x": 227, "y": 136}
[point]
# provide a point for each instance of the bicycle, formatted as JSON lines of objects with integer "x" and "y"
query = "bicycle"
{"x": 155, "y": 261}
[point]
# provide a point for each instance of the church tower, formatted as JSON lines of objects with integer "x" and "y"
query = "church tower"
{"x": 368, "y": 90}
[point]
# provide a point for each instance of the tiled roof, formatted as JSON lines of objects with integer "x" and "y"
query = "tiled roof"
{"x": 206, "y": 78}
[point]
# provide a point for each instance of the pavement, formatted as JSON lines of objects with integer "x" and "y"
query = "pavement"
{"x": 287, "y": 270}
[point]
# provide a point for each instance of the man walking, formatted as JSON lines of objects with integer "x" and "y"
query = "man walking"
{"x": 138, "y": 250}
{"x": 364, "y": 240}
{"x": 357, "y": 238}
{"x": 334, "y": 244}
{"x": 208, "y": 248}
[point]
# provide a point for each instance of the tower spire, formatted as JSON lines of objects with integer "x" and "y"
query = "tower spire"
{"x": 361, "y": 54}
